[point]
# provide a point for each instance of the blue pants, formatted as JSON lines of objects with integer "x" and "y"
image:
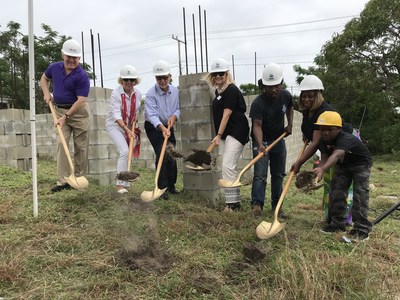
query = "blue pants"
{"x": 276, "y": 158}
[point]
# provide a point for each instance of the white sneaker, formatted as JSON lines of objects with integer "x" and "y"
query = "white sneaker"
{"x": 122, "y": 191}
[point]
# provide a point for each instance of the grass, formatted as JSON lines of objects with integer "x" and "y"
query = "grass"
{"x": 98, "y": 244}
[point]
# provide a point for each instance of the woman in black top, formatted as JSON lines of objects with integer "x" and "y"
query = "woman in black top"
{"x": 231, "y": 126}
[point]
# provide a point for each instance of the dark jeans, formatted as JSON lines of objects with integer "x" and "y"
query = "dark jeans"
{"x": 276, "y": 158}
{"x": 341, "y": 181}
{"x": 169, "y": 170}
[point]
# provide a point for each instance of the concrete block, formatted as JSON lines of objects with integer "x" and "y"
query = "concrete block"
{"x": 12, "y": 115}
{"x": 19, "y": 152}
{"x": 204, "y": 132}
{"x": 98, "y": 166}
{"x": 194, "y": 115}
{"x": 212, "y": 198}
{"x": 7, "y": 141}
{"x": 201, "y": 181}
{"x": 98, "y": 93}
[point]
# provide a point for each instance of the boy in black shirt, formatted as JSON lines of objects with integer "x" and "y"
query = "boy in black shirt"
{"x": 352, "y": 161}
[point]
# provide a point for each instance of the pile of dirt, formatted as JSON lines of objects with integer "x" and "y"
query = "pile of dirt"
{"x": 145, "y": 253}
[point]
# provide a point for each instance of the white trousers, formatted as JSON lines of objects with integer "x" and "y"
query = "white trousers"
{"x": 117, "y": 135}
{"x": 230, "y": 149}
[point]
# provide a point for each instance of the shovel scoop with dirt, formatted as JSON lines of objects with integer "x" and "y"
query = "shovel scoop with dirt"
{"x": 307, "y": 181}
{"x": 201, "y": 159}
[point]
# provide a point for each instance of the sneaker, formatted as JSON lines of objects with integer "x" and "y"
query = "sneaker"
{"x": 122, "y": 191}
{"x": 256, "y": 210}
{"x": 165, "y": 195}
{"x": 173, "y": 191}
{"x": 59, "y": 188}
{"x": 328, "y": 229}
{"x": 231, "y": 207}
{"x": 359, "y": 235}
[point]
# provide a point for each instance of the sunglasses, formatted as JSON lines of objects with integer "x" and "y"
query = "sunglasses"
{"x": 218, "y": 73}
{"x": 159, "y": 78}
{"x": 129, "y": 79}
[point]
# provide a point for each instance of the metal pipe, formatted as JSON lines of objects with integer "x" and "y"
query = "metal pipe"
{"x": 93, "y": 68}
{"x": 205, "y": 39}
{"x": 101, "y": 65}
{"x": 201, "y": 43}
{"x": 194, "y": 43}
{"x": 184, "y": 33}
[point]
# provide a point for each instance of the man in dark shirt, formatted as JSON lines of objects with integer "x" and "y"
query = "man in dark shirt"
{"x": 268, "y": 112}
{"x": 352, "y": 161}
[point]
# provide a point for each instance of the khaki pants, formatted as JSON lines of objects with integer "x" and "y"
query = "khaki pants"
{"x": 77, "y": 126}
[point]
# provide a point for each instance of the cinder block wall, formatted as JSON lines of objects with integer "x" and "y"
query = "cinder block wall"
{"x": 194, "y": 130}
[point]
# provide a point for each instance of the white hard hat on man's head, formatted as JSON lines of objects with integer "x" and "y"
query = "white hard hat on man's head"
{"x": 128, "y": 72}
{"x": 311, "y": 83}
{"x": 71, "y": 48}
{"x": 219, "y": 65}
{"x": 272, "y": 74}
{"x": 161, "y": 68}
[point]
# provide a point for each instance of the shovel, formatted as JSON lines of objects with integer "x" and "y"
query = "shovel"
{"x": 267, "y": 230}
{"x": 128, "y": 175}
{"x": 230, "y": 184}
{"x": 148, "y": 196}
{"x": 78, "y": 183}
{"x": 200, "y": 157}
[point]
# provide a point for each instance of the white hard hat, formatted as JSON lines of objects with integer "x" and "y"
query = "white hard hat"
{"x": 71, "y": 48}
{"x": 272, "y": 74}
{"x": 311, "y": 83}
{"x": 128, "y": 72}
{"x": 219, "y": 65}
{"x": 161, "y": 68}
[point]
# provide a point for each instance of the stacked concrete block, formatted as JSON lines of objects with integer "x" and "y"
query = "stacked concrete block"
{"x": 46, "y": 137}
{"x": 15, "y": 139}
{"x": 197, "y": 132}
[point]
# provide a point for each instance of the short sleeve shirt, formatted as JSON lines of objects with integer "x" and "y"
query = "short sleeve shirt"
{"x": 67, "y": 88}
{"x": 356, "y": 153}
{"x": 272, "y": 113}
{"x": 238, "y": 125}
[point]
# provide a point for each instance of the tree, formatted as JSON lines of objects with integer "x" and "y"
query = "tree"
{"x": 360, "y": 70}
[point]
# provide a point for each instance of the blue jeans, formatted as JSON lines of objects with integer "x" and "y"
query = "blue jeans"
{"x": 276, "y": 158}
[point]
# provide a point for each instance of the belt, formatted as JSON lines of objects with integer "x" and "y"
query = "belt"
{"x": 65, "y": 106}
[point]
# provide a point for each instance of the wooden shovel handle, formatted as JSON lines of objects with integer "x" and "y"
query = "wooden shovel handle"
{"x": 261, "y": 154}
{"x": 60, "y": 133}
{"x": 286, "y": 188}
{"x": 161, "y": 159}
{"x": 131, "y": 142}
{"x": 211, "y": 147}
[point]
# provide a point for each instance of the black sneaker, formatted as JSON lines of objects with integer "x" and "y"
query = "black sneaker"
{"x": 59, "y": 188}
{"x": 173, "y": 191}
{"x": 328, "y": 229}
{"x": 164, "y": 196}
{"x": 359, "y": 235}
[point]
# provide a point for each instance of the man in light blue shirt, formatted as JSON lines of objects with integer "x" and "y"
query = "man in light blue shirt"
{"x": 161, "y": 110}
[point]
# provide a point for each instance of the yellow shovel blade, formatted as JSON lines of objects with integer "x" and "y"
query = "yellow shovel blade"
{"x": 266, "y": 230}
{"x": 229, "y": 184}
{"x": 148, "y": 196}
{"x": 78, "y": 183}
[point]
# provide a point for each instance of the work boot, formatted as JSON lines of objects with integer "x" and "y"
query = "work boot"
{"x": 256, "y": 210}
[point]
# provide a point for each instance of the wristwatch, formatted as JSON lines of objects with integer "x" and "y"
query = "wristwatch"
{"x": 67, "y": 116}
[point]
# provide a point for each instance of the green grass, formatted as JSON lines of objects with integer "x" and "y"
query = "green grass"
{"x": 98, "y": 244}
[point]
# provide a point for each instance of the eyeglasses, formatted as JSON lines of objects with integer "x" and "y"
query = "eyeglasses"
{"x": 218, "y": 73}
{"x": 129, "y": 79}
{"x": 159, "y": 78}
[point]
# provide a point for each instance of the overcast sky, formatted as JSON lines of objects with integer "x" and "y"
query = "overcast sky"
{"x": 139, "y": 33}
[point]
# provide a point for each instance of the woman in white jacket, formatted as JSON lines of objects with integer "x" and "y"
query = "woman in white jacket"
{"x": 123, "y": 111}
